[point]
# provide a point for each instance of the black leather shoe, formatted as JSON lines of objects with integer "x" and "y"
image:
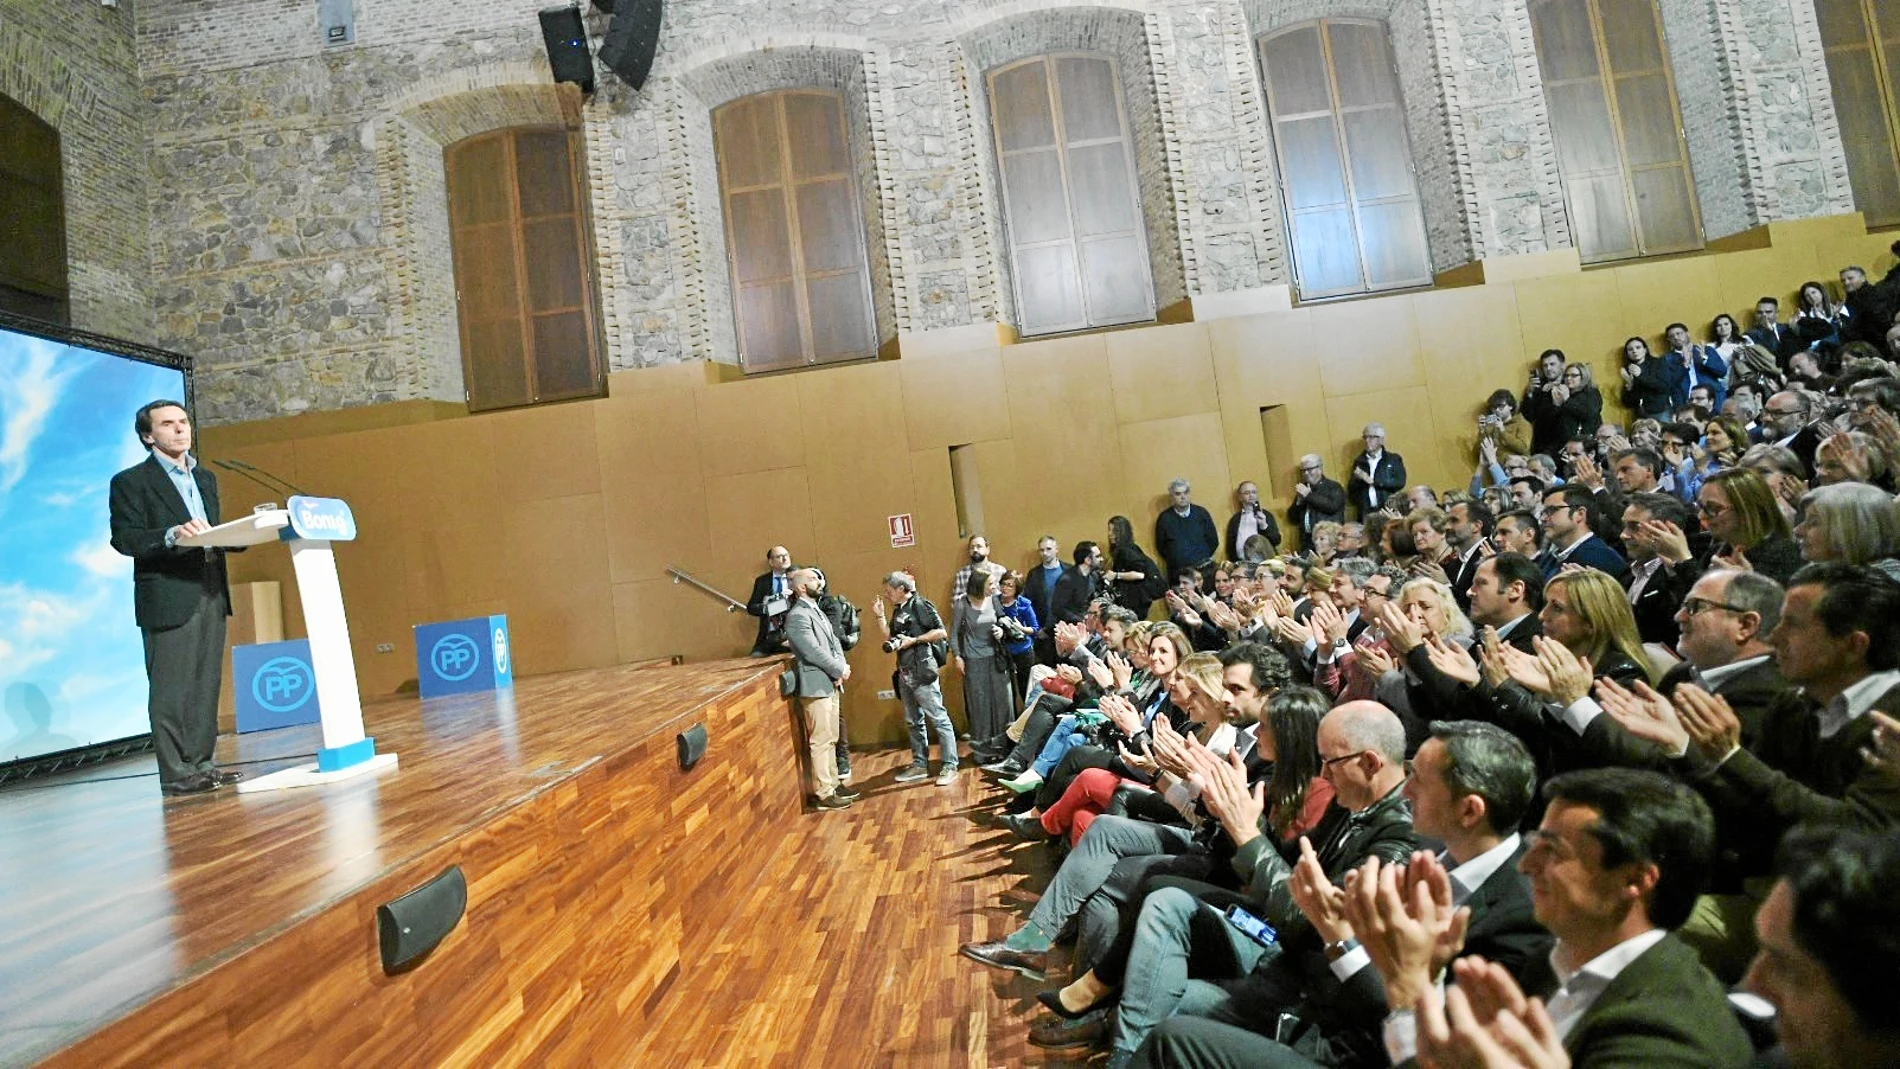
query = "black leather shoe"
{"x": 224, "y": 776}
{"x": 831, "y": 801}
{"x": 1024, "y": 827}
{"x": 999, "y": 956}
{"x": 846, "y": 793}
{"x": 1057, "y": 1032}
{"x": 196, "y": 783}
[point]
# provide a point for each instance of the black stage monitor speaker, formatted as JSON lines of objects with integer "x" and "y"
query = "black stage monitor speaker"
{"x": 632, "y": 38}
{"x": 409, "y": 927}
{"x": 566, "y": 38}
{"x": 692, "y": 746}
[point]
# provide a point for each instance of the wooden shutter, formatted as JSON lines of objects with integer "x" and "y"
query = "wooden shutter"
{"x": 523, "y": 285}
{"x": 1617, "y": 126}
{"x": 1345, "y": 160}
{"x": 1071, "y": 198}
{"x": 1863, "y": 66}
{"x": 32, "y": 217}
{"x": 801, "y": 279}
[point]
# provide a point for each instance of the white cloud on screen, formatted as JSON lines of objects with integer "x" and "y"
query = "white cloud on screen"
{"x": 103, "y": 561}
{"x": 26, "y": 400}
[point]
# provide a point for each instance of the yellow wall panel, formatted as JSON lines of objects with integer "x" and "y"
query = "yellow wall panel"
{"x": 1575, "y": 313}
{"x": 1358, "y": 349}
{"x": 1747, "y": 276}
{"x": 559, "y": 597}
{"x": 1254, "y": 368}
{"x": 1062, "y": 416}
{"x": 1654, "y": 295}
{"x": 953, "y": 400}
{"x": 748, "y": 514}
{"x": 750, "y": 426}
{"x": 655, "y": 618}
{"x": 1156, "y": 452}
{"x": 1408, "y": 432}
{"x": 857, "y": 469}
{"x": 545, "y": 451}
{"x": 651, "y": 484}
{"x": 1161, "y": 372}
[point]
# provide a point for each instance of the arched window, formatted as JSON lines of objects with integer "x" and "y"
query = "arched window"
{"x": 523, "y": 278}
{"x": 801, "y": 280}
{"x": 33, "y": 225}
{"x": 1072, "y": 205}
{"x": 1863, "y": 64}
{"x": 1345, "y": 162}
{"x": 1617, "y": 126}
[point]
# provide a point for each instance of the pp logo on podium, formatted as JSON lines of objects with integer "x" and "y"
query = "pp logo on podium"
{"x": 450, "y": 656}
{"x": 455, "y": 657}
{"x": 273, "y": 685}
{"x": 282, "y": 684}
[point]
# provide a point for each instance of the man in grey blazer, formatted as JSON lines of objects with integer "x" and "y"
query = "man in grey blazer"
{"x": 821, "y": 669}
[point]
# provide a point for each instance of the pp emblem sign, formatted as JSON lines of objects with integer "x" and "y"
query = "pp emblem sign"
{"x": 463, "y": 656}
{"x": 274, "y": 685}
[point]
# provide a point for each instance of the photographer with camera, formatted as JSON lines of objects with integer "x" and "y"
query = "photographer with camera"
{"x": 1502, "y": 426}
{"x": 914, "y": 631}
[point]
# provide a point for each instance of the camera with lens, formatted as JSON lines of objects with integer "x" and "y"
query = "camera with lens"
{"x": 892, "y": 644}
{"x": 1014, "y": 629}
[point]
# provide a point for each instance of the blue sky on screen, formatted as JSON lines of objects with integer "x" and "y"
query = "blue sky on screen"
{"x": 71, "y": 668}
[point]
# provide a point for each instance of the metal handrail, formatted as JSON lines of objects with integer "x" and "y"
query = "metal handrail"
{"x": 680, "y": 576}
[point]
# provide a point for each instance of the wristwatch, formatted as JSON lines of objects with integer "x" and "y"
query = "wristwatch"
{"x": 1339, "y": 948}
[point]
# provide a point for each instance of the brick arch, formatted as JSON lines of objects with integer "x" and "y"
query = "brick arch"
{"x": 418, "y": 125}
{"x": 720, "y": 74}
{"x": 39, "y": 80}
{"x": 1446, "y": 185}
{"x": 1137, "y": 38}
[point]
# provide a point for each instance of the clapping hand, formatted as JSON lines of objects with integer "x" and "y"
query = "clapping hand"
{"x": 1400, "y": 630}
{"x": 1485, "y": 1022}
{"x": 1169, "y": 748}
{"x": 1643, "y": 713}
{"x": 1882, "y": 752}
{"x": 1122, "y": 713}
{"x": 1791, "y": 488}
{"x": 1121, "y": 669}
{"x": 1069, "y": 673}
{"x": 1453, "y": 660}
{"x": 1495, "y": 672}
{"x": 1224, "y": 792}
{"x": 1585, "y": 471}
{"x": 1568, "y": 675}
{"x": 1408, "y": 926}
{"x": 1283, "y": 603}
{"x": 1710, "y": 721}
{"x": 1328, "y": 622}
{"x": 1102, "y": 674}
{"x": 1526, "y": 670}
{"x": 1851, "y": 454}
{"x": 1376, "y": 661}
{"x": 1735, "y": 560}
{"x": 1430, "y": 569}
{"x": 1667, "y": 539}
{"x": 1223, "y": 617}
{"x": 1323, "y": 903}
{"x": 1143, "y": 762}
{"x": 1292, "y": 632}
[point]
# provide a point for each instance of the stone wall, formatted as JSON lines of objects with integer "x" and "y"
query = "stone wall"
{"x": 277, "y": 209}
{"x": 72, "y": 63}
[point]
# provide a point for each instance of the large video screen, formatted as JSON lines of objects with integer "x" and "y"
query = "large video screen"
{"x": 72, "y": 665}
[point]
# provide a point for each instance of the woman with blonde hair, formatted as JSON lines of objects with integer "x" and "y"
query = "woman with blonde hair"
{"x": 1424, "y": 610}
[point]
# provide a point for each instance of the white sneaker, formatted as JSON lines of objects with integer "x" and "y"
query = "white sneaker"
{"x": 947, "y": 778}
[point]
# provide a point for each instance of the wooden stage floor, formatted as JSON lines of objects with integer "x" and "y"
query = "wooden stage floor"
{"x": 832, "y": 944}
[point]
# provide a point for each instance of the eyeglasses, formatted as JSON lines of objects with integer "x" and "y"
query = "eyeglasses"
{"x": 1328, "y": 762}
{"x": 1694, "y": 606}
{"x": 1710, "y": 508}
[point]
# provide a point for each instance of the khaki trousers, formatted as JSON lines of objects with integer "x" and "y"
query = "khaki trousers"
{"x": 821, "y": 742}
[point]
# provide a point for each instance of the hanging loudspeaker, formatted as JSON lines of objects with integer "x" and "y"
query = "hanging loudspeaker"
{"x": 632, "y": 38}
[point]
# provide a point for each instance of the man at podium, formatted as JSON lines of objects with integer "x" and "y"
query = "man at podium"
{"x": 179, "y": 595}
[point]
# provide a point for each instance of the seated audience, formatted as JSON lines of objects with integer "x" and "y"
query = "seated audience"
{"x": 1569, "y": 519}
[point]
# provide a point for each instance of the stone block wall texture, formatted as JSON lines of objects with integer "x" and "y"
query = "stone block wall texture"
{"x": 276, "y": 208}
{"x": 73, "y": 64}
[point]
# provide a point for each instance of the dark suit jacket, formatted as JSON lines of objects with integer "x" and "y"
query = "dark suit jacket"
{"x": 769, "y": 639}
{"x": 1388, "y": 478}
{"x": 1032, "y": 589}
{"x": 1749, "y": 693}
{"x": 1594, "y": 552}
{"x": 1070, "y": 601}
{"x": 1655, "y": 608}
{"x": 1663, "y": 1009}
{"x": 1271, "y": 530}
{"x": 1325, "y": 501}
{"x": 167, "y": 583}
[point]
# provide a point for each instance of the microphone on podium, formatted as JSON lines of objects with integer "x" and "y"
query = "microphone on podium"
{"x": 259, "y": 476}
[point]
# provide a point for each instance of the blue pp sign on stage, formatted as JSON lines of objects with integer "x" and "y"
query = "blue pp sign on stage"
{"x": 274, "y": 685}
{"x": 463, "y": 656}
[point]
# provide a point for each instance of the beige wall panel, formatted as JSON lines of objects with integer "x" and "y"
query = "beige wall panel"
{"x": 652, "y": 485}
{"x": 1744, "y": 277}
{"x": 857, "y": 468}
{"x": 1871, "y": 252}
{"x": 1156, "y": 452}
{"x": 1254, "y": 368}
{"x": 544, "y": 451}
{"x": 1470, "y": 341}
{"x": 1161, "y": 372}
{"x": 236, "y": 494}
{"x": 1408, "y": 428}
{"x": 954, "y": 399}
{"x": 750, "y": 513}
{"x": 561, "y": 603}
{"x": 366, "y": 469}
{"x": 938, "y": 554}
{"x": 659, "y": 618}
{"x": 1575, "y": 313}
{"x": 750, "y": 426}
{"x": 1360, "y": 346}
{"x": 449, "y": 472}
{"x": 1068, "y": 447}
{"x": 1654, "y": 295}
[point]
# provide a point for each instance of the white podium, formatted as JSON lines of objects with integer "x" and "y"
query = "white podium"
{"x": 309, "y": 525}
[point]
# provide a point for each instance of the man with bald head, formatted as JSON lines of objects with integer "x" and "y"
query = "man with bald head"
{"x": 821, "y": 670}
{"x": 1182, "y": 931}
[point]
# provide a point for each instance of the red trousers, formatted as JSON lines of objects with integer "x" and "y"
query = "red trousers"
{"x": 1087, "y": 797}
